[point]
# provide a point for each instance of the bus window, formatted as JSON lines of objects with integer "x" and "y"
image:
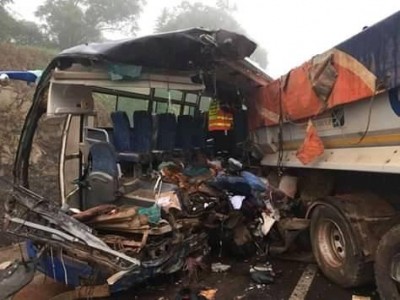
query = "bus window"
{"x": 163, "y": 96}
{"x": 189, "y": 110}
{"x": 104, "y": 104}
{"x": 160, "y": 107}
{"x": 175, "y": 109}
{"x": 205, "y": 103}
{"x": 130, "y": 105}
{"x": 163, "y": 93}
{"x": 191, "y": 98}
{"x": 45, "y": 155}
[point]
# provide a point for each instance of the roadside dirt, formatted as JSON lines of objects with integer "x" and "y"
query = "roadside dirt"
{"x": 15, "y": 101}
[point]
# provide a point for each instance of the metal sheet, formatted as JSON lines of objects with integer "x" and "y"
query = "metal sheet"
{"x": 366, "y": 159}
{"x": 179, "y": 50}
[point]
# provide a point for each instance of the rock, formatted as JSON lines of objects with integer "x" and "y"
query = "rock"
{"x": 219, "y": 268}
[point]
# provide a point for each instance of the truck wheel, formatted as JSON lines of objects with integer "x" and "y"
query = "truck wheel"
{"x": 335, "y": 248}
{"x": 388, "y": 248}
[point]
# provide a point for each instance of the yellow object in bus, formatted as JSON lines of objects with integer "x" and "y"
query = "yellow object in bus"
{"x": 219, "y": 119}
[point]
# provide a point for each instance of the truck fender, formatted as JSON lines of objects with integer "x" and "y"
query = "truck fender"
{"x": 369, "y": 216}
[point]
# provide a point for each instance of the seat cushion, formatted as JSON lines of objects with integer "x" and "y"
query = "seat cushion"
{"x": 184, "y": 132}
{"x": 166, "y": 132}
{"x": 143, "y": 132}
{"x": 199, "y": 131}
{"x": 123, "y": 133}
{"x": 102, "y": 189}
{"x": 103, "y": 158}
{"x": 134, "y": 157}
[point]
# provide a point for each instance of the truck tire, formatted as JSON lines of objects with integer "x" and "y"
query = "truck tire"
{"x": 388, "y": 246}
{"x": 336, "y": 249}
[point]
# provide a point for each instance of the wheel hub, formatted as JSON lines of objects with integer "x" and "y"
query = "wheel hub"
{"x": 332, "y": 243}
{"x": 337, "y": 241}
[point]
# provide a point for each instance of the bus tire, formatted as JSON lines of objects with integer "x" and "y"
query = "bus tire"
{"x": 388, "y": 246}
{"x": 336, "y": 250}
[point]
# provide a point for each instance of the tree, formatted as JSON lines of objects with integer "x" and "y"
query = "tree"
{"x": 187, "y": 15}
{"x": 7, "y": 25}
{"x": 72, "y": 22}
{"x": 28, "y": 33}
{"x": 19, "y": 31}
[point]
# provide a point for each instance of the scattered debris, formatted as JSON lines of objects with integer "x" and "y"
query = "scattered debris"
{"x": 208, "y": 294}
{"x": 192, "y": 265}
{"x": 237, "y": 201}
{"x": 164, "y": 223}
{"x": 219, "y": 267}
{"x": 14, "y": 276}
{"x": 93, "y": 212}
{"x": 253, "y": 287}
{"x": 356, "y": 297}
{"x": 186, "y": 294}
{"x": 262, "y": 274}
{"x": 267, "y": 222}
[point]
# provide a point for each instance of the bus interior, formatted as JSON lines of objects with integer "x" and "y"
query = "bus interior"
{"x": 117, "y": 132}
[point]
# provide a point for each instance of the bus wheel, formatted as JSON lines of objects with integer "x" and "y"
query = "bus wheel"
{"x": 335, "y": 248}
{"x": 387, "y": 264}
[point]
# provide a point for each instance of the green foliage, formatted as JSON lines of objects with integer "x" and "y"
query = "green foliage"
{"x": 107, "y": 101}
{"x": 187, "y": 15}
{"x": 72, "y": 22}
{"x": 196, "y": 14}
{"x": 19, "y": 32}
{"x": 66, "y": 24}
{"x": 28, "y": 33}
{"x": 115, "y": 14}
{"x": 7, "y": 24}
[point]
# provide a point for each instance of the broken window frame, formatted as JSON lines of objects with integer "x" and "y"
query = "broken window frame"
{"x": 155, "y": 100}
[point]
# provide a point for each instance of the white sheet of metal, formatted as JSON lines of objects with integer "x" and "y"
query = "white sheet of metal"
{"x": 367, "y": 159}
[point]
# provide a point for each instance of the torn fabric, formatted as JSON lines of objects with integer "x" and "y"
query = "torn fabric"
{"x": 312, "y": 146}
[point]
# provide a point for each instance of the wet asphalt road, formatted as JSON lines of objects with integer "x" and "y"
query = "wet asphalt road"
{"x": 237, "y": 284}
{"x": 234, "y": 284}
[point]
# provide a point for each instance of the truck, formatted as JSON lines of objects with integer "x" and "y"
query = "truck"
{"x": 324, "y": 136}
{"x": 330, "y": 126}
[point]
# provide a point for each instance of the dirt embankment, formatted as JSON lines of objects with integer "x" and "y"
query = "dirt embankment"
{"x": 15, "y": 101}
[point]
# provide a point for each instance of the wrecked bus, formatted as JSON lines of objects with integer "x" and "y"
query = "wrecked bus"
{"x": 134, "y": 115}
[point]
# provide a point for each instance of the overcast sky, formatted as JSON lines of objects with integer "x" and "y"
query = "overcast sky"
{"x": 292, "y": 31}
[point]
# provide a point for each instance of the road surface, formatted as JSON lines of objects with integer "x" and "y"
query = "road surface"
{"x": 296, "y": 281}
